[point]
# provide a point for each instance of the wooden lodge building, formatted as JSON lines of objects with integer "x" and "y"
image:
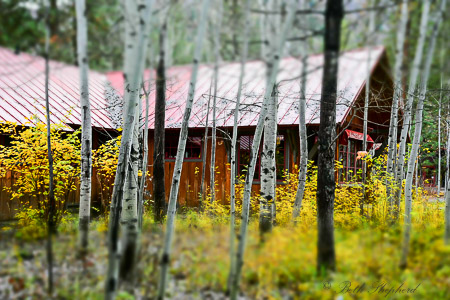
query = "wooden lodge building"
{"x": 22, "y": 96}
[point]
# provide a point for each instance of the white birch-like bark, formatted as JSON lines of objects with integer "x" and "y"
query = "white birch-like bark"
{"x": 129, "y": 218}
{"x": 205, "y": 150}
{"x": 143, "y": 178}
{"x": 417, "y": 135}
{"x": 439, "y": 143}
{"x": 393, "y": 125}
{"x": 439, "y": 182}
{"x": 86, "y": 128}
{"x": 268, "y": 166}
{"x": 132, "y": 94}
{"x": 410, "y": 97}
{"x": 302, "y": 127}
{"x": 254, "y": 150}
{"x": 303, "y": 141}
{"x": 233, "y": 179}
{"x": 447, "y": 193}
{"x": 212, "y": 177}
{"x": 447, "y": 182}
{"x": 447, "y": 153}
{"x": 165, "y": 259}
{"x": 366, "y": 108}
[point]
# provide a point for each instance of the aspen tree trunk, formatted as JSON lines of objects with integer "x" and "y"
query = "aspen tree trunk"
{"x": 233, "y": 173}
{"x": 132, "y": 94}
{"x": 129, "y": 218}
{"x": 86, "y": 128}
{"x": 410, "y": 97}
{"x": 275, "y": 61}
{"x": 212, "y": 180}
{"x": 159, "y": 183}
{"x": 447, "y": 154}
{"x": 417, "y": 136}
{"x": 165, "y": 259}
{"x": 143, "y": 179}
{"x": 302, "y": 129}
{"x": 447, "y": 194}
{"x": 326, "y": 257}
{"x": 366, "y": 111}
{"x": 439, "y": 134}
{"x": 268, "y": 166}
{"x": 303, "y": 142}
{"x": 51, "y": 221}
{"x": 205, "y": 151}
{"x": 447, "y": 174}
{"x": 393, "y": 125}
{"x": 417, "y": 176}
{"x": 439, "y": 143}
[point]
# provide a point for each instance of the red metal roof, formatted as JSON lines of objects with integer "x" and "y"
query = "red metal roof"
{"x": 352, "y": 76}
{"x": 22, "y": 92}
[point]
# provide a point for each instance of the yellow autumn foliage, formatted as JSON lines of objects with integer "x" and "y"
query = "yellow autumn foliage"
{"x": 27, "y": 158}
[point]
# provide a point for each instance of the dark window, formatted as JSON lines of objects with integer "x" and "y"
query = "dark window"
{"x": 193, "y": 147}
{"x": 245, "y": 144}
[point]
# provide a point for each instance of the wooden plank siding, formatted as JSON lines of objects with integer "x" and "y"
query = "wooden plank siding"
{"x": 190, "y": 181}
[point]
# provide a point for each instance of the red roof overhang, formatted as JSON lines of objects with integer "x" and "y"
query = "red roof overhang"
{"x": 355, "y": 135}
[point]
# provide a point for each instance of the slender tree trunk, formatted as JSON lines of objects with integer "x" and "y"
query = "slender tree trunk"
{"x": 447, "y": 182}
{"x": 233, "y": 179}
{"x": 212, "y": 179}
{"x": 86, "y": 128}
{"x": 303, "y": 142}
{"x": 447, "y": 153}
{"x": 410, "y": 97}
{"x": 366, "y": 111}
{"x": 439, "y": 143}
{"x": 165, "y": 259}
{"x": 447, "y": 198}
{"x": 159, "y": 189}
{"x": 417, "y": 176}
{"x": 132, "y": 94}
{"x": 268, "y": 166}
{"x": 417, "y": 136}
{"x": 143, "y": 179}
{"x": 302, "y": 129}
{"x": 205, "y": 151}
{"x": 393, "y": 125}
{"x": 326, "y": 257}
{"x": 129, "y": 217}
{"x": 51, "y": 222}
{"x": 275, "y": 61}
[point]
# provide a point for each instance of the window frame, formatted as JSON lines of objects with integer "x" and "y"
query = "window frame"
{"x": 347, "y": 155}
{"x": 257, "y": 180}
{"x": 175, "y": 137}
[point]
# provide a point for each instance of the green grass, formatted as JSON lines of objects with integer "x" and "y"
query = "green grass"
{"x": 283, "y": 266}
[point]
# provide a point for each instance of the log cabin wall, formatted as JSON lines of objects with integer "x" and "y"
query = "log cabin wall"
{"x": 191, "y": 174}
{"x": 192, "y": 169}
